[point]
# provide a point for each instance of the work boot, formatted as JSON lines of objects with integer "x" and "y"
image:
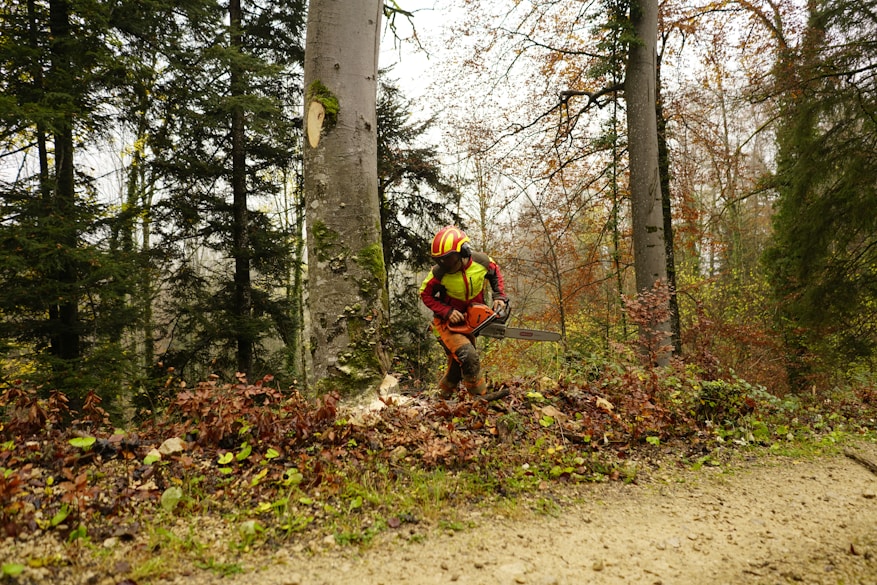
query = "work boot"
{"x": 477, "y": 387}
{"x": 446, "y": 389}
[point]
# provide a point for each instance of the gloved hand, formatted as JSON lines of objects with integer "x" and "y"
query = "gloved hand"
{"x": 498, "y": 305}
{"x": 456, "y": 317}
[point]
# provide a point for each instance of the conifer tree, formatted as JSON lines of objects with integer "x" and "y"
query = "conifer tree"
{"x": 825, "y": 229}
{"x": 416, "y": 200}
{"x": 416, "y": 197}
{"x": 60, "y": 306}
{"x": 227, "y": 141}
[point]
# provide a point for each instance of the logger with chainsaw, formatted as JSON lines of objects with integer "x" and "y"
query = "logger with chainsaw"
{"x": 454, "y": 285}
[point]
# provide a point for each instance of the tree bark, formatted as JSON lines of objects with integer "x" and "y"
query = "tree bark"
{"x": 64, "y": 313}
{"x": 667, "y": 212}
{"x": 650, "y": 259}
{"x": 243, "y": 295}
{"x": 346, "y": 272}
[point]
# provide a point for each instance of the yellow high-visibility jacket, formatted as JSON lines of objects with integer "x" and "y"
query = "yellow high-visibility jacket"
{"x": 444, "y": 291}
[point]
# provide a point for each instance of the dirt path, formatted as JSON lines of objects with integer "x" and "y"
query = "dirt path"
{"x": 769, "y": 521}
{"x": 766, "y": 521}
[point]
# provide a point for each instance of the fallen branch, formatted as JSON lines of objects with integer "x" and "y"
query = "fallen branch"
{"x": 868, "y": 463}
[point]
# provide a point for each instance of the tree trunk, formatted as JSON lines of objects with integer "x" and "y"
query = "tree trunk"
{"x": 243, "y": 296}
{"x": 346, "y": 271}
{"x": 297, "y": 353}
{"x": 41, "y": 133}
{"x": 616, "y": 231}
{"x": 650, "y": 259}
{"x": 667, "y": 212}
{"x": 147, "y": 285}
{"x": 64, "y": 311}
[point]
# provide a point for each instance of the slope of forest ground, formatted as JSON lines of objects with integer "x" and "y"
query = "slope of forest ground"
{"x": 247, "y": 484}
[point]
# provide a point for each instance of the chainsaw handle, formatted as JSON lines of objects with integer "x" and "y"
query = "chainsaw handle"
{"x": 503, "y": 314}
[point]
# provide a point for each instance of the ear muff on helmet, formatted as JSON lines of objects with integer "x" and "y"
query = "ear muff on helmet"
{"x": 448, "y": 240}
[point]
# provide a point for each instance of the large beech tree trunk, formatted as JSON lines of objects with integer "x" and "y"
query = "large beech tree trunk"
{"x": 650, "y": 259}
{"x": 346, "y": 272}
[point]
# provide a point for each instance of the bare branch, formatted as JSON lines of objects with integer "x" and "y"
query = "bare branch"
{"x": 534, "y": 43}
{"x": 391, "y": 11}
{"x": 593, "y": 96}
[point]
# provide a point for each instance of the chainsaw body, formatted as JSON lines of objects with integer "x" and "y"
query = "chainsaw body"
{"x": 482, "y": 320}
{"x": 478, "y": 317}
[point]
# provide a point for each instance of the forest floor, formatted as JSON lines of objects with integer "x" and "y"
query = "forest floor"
{"x": 753, "y": 519}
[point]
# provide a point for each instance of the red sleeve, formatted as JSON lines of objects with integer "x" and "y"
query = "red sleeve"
{"x": 494, "y": 275}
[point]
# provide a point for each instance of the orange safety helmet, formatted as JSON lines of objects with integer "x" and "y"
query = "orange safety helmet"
{"x": 448, "y": 240}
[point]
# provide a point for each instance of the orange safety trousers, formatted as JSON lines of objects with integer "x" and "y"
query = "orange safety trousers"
{"x": 464, "y": 365}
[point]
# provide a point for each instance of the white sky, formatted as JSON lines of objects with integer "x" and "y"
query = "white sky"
{"x": 411, "y": 66}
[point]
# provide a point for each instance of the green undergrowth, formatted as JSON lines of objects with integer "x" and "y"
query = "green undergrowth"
{"x": 227, "y": 469}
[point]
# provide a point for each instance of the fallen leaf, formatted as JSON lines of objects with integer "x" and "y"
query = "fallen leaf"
{"x": 554, "y": 413}
{"x": 170, "y": 498}
{"x": 604, "y": 404}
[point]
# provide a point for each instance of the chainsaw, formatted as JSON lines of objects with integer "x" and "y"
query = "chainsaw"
{"x": 484, "y": 321}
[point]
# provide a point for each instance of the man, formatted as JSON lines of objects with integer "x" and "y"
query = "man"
{"x": 454, "y": 284}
